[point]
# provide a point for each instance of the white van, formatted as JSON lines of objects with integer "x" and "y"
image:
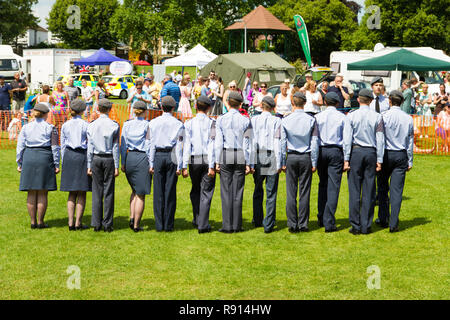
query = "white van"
{"x": 9, "y": 63}
{"x": 391, "y": 79}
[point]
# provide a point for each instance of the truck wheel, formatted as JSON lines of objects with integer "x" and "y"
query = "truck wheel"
{"x": 123, "y": 94}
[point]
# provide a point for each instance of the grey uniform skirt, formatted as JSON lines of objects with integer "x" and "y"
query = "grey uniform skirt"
{"x": 38, "y": 170}
{"x": 137, "y": 172}
{"x": 74, "y": 171}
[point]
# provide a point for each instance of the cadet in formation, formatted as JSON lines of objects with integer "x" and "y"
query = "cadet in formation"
{"x": 135, "y": 157}
{"x": 363, "y": 157}
{"x": 266, "y": 162}
{"x": 37, "y": 158}
{"x": 299, "y": 137}
{"x": 103, "y": 165}
{"x": 74, "y": 177}
{"x": 166, "y": 162}
{"x": 198, "y": 154}
{"x": 398, "y": 159}
{"x": 232, "y": 145}
{"x": 331, "y": 161}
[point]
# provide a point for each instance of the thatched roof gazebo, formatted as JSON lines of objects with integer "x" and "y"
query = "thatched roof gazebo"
{"x": 258, "y": 22}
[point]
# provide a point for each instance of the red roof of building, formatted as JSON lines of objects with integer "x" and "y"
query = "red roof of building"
{"x": 260, "y": 19}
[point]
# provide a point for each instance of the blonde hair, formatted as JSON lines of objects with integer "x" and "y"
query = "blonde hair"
{"x": 139, "y": 112}
{"x": 59, "y": 83}
{"x": 38, "y": 114}
{"x": 73, "y": 113}
{"x": 309, "y": 84}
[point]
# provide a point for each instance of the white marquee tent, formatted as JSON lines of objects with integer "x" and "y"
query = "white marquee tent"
{"x": 196, "y": 57}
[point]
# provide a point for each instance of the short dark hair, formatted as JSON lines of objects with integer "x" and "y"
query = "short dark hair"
{"x": 234, "y": 103}
{"x": 365, "y": 100}
{"x": 45, "y": 89}
{"x": 396, "y": 100}
{"x": 103, "y": 109}
{"x": 202, "y": 106}
{"x": 266, "y": 106}
{"x": 167, "y": 108}
{"x": 298, "y": 102}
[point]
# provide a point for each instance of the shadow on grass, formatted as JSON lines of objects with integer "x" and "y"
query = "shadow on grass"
{"x": 408, "y": 224}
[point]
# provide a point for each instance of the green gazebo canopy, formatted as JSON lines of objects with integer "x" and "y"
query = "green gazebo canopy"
{"x": 401, "y": 60}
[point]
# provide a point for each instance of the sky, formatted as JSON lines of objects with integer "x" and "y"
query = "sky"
{"x": 43, "y": 7}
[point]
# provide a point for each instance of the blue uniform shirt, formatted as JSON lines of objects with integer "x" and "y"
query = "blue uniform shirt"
{"x": 266, "y": 136}
{"x": 74, "y": 134}
{"x": 5, "y": 98}
{"x": 299, "y": 133}
{"x": 38, "y": 133}
{"x": 399, "y": 131}
{"x": 135, "y": 136}
{"x": 331, "y": 127}
{"x": 364, "y": 127}
{"x": 233, "y": 131}
{"x": 200, "y": 134}
{"x": 103, "y": 138}
{"x": 384, "y": 103}
{"x": 166, "y": 132}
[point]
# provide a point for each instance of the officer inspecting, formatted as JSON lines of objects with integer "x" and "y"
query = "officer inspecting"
{"x": 266, "y": 161}
{"x": 37, "y": 158}
{"x": 135, "y": 156}
{"x": 331, "y": 160}
{"x": 398, "y": 158}
{"x": 233, "y": 138}
{"x": 166, "y": 136}
{"x": 299, "y": 137}
{"x": 74, "y": 178}
{"x": 198, "y": 153}
{"x": 103, "y": 165}
{"x": 379, "y": 103}
{"x": 363, "y": 157}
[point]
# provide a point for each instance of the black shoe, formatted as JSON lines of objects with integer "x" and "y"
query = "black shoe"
{"x": 169, "y": 230}
{"x": 392, "y": 230}
{"x": 72, "y": 228}
{"x": 368, "y": 231}
{"x": 320, "y": 223}
{"x": 332, "y": 229}
{"x": 82, "y": 227}
{"x": 138, "y": 229}
{"x": 268, "y": 230}
{"x": 257, "y": 225}
{"x": 204, "y": 230}
{"x": 381, "y": 224}
{"x": 225, "y": 231}
{"x": 97, "y": 229}
{"x": 109, "y": 229}
{"x": 354, "y": 231}
{"x": 239, "y": 230}
{"x": 194, "y": 223}
{"x": 131, "y": 224}
{"x": 293, "y": 230}
{"x": 303, "y": 229}
{"x": 33, "y": 226}
{"x": 43, "y": 226}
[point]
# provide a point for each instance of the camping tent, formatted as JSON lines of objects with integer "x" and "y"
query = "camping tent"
{"x": 264, "y": 67}
{"x": 196, "y": 57}
{"x": 401, "y": 60}
{"x": 99, "y": 58}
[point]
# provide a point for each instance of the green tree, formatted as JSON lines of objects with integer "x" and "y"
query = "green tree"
{"x": 94, "y": 31}
{"x": 15, "y": 17}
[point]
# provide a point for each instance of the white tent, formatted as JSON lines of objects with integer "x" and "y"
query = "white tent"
{"x": 196, "y": 57}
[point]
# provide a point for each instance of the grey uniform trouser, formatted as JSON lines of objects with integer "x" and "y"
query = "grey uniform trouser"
{"x": 103, "y": 183}
{"x": 395, "y": 165}
{"x": 202, "y": 191}
{"x": 329, "y": 168}
{"x": 298, "y": 179}
{"x": 232, "y": 181}
{"x": 361, "y": 187}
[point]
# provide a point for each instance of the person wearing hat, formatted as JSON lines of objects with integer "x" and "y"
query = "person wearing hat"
{"x": 331, "y": 161}
{"x": 37, "y": 157}
{"x": 5, "y": 95}
{"x": 299, "y": 138}
{"x": 233, "y": 138}
{"x": 103, "y": 165}
{"x": 135, "y": 159}
{"x": 398, "y": 159}
{"x": 363, "y": 157}
{"x": 198, "y": 153}
{"x": 166, "y": 161}
{"x": 266, "y": 161}
{"x": 74, "y": 178}
{"x": 380, "y": 103}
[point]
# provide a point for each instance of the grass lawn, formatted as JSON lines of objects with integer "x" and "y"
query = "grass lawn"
{"x": 414, "y": 263}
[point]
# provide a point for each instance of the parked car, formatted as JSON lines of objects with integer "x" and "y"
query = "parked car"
{"x": 119, "y": 86}
{"x": 91, "y": 79}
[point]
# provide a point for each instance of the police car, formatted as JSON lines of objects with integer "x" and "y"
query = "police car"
{"x": 119, "y": 86}
{"x": 91, "y": 79}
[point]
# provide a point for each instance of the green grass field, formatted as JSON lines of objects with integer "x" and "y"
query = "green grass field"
{"x": 414, "y": 263}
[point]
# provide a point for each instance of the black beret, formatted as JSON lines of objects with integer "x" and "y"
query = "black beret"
{"x": 140, "y": 105}
{"x": 396, "y": 93}
{"x": 41, "y": 107}
{"x": 205, "y": 100}
{"x": 235, "y": 96}
{"x": 300, "y": 95}
{"x": 269, "y": 100}
{"x": 332, "y": 98}
{"x": 105, "y": 103}
{"x": 376, "y": 80}
{"x": 168, "y": 101}
{"x": 78, "y": 105}
{"x": 366, "y": 93}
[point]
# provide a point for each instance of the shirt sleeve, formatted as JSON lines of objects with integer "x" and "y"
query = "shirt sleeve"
{"x": 187, "y": 145}
{"x": 283, "y": 144}
{"x": 163, "y": 92}
{"x": 20, "y": 147}
{"x": 314, "y": 144}
{"x": 179, "y": 147}
{"x": 219, "y": 141}
{"x": 247, "y": 144}
{"x": 55, "y": 146}
{"x": 211, "y": 141}
{"x": 152, "y": 146}
{"x": 123, "y": 146}
{"x": 90, "y": 147}
{"x": 410, "y": 149}
{"x": 115, "y": 151}
{"x": 348, "y": 138}
{"x": 380, "y": 139}
{"x": 63, "y": 143}
{"x": 277, "y": 144}
{"x": 253, "y": 148}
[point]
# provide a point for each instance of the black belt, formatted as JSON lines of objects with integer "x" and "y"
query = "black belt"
{"x": 164, "y": 149}
{"x": 356, "y": 146}
{"x": 46, "y": 148}
{"x": 77, "y": 149}
{"x": 138, "y": 151}
{"x": 404, "y": 150}
{"x": 232, "y": 149}
{"x": 296, "y": 152}
{"x": 331, "y": 146}
{"x": 103, "y": 155}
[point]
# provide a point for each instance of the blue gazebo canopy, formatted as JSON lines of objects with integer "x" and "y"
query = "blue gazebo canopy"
{"x": 99, "y": 58}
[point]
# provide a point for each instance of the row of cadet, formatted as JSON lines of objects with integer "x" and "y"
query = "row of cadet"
{"x": 373, "y": 148}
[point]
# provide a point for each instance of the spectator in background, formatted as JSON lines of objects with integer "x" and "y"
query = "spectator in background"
{"x": 341, "y": 91}
{"x": 424, "y": 110}
{"x": 408, "y": 96}
{"x": 217, "y": 108}
{"x": 138, "y": 95}
{"x": 154, "y": 89}
{"x": 173, "y": 74}
{"x": 185, "y": 105}
{"x": 5, "y": 94}
{"x": 232, "y": 86}
{"x": 313, "y": 99}
{"x": 308, "y": 77}
{"x": 283, "y": 103}
{"x": 60, "y": 97}
{"x": 100, "y": 92}
{"x": 252, "y": 93}
{"x": 19, "y": 89}
{"x": 213, "y": 84}
{"x": 71, "y": 90}
{"x": 87, "y": 93}
{"x": 443, "y": 127}
{"x": 257, "y": 101}
{"x": 247, "y": 88}
{"x": 171, "y": 89}
{"x": 45, "y": 97}
{"x": 198, "y": 87}
{"x": 441, "y": 99}
{"x": 178, "y": 78}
